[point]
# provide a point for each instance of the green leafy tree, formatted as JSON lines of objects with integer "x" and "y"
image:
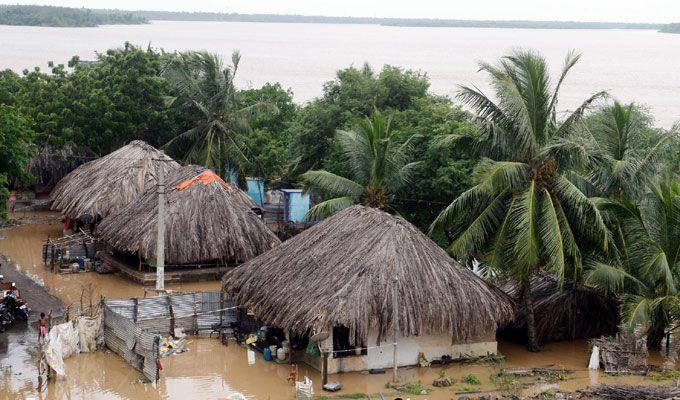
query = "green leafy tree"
{"x": 15, "y": 150}
{"x": 97, "y": 106}
{"x": 523, "y": 215}
{"x": 269, "y": 149}
{"x": 217, "y": 136}
{"x": 378, "y": 164}
{"x": 417, "y": 116}
{"x": 355, "y": 92}
{"x": 626, "y": 151}
{"x": 646, "y": 272}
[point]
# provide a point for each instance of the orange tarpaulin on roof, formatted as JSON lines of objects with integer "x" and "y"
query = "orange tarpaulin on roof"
{"x": 206, "y": 177}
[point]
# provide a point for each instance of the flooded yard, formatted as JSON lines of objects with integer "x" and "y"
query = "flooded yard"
{"x": 210, "y": 370}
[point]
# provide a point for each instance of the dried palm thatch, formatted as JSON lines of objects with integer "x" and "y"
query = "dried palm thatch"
{"x": 626, "y": 392}
{"x": 206, "y": 220}
{"x": 341, "y": 272}
{"x": 100, "y": 187}
{"x": 49, "y": 165}
{"x": 567, "y": 313}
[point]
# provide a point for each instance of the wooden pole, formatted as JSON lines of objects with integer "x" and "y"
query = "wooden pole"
{"x": 160, "y": 242}
{"x": 324, "y": 368}
{"x": 395, "y": 328}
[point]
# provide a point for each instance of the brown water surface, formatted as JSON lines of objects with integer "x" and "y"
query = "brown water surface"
{"x": 210, "y": 370}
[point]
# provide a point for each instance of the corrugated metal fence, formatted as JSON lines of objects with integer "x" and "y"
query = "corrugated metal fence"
{"x": 132, "y": 325}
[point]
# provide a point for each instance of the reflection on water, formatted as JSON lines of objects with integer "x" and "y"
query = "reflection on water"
{"x": 210, "y": 370}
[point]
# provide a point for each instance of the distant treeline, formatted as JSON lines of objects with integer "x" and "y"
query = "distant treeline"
{"x": 407, "y": 22}
{"x": 671, "y": 28}
{"x": 65, "y": 16}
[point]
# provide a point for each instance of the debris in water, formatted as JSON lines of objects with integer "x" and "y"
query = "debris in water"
{"x": 168, "y": 346}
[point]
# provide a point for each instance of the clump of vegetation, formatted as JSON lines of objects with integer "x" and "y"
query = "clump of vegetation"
{"x": 546, "y": 396}
{"x": 344, "y": 396}
{"x": 467, "y": 389}
{"x": 664, "y": 375}
{"x": 415, "y": 388}
{"x": 442, "y": 380}
{"x": 471, "y": 379}
{"x": 506, "y": 384}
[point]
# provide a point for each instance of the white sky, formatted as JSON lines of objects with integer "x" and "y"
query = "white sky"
{"x": 563, "y": 10}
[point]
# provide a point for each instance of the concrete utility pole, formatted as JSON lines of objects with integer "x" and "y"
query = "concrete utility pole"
{"x": 395, "y": 327}
{"x": 160, "y": 242}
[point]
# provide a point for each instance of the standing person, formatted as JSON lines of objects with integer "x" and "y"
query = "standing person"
{"x": 43, "y": 328}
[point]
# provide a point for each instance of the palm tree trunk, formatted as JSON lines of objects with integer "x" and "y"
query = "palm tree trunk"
{"x": 655, "y": 336}
{"x": 532, "y": 340}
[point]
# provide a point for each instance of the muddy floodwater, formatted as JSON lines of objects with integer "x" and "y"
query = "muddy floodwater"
{"x": 210, "y": 370}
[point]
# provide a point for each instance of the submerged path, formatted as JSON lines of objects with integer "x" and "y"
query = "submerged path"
{"x": 37, "y": 298}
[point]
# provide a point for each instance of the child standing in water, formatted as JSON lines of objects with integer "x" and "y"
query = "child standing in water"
{"x": 43, "y": 327}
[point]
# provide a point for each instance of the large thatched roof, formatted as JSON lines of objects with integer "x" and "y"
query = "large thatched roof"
{"x": 102, "y": 186}
{"x": 342, "y": 270}
{"x": 569, "y": 312}
{"x": 206, "y": 219}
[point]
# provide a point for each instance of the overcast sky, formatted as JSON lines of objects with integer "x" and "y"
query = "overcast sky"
{"x": 572, "y": 10}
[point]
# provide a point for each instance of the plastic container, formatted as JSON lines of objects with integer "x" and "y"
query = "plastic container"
{"x": 281, "y": 354}
{"x": 267, "y": 354}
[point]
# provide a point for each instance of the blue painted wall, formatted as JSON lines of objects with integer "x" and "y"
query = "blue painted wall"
{"x": 256, "y": 190}
{"x": 296, "y": 204}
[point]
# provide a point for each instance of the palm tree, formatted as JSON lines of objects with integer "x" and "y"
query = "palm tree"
{"x": 205, "y": 87}
{"x": 524, "y": 215}
{"x": 647, "y": 270}
{"x": 620, "y": 168}
{"x": 378, "y": 165}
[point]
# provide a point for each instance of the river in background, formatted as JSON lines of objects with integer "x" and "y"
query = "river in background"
{"x": 210, "y": 370}
{"x": 633, "y": 65}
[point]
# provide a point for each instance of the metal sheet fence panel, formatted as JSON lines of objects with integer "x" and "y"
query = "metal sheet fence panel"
{"x": 145, "y": 343}
{"x": 187, "y": 324}
{"x": 150, "y": 370}
{"x": 183, "y": 305}
{"x": 134, "y": 341}
{"x": 113, "y": 342}
{"x": 126, "y": 308}
{"x": 156, "y": 325}
{"x": 153, "y": 307}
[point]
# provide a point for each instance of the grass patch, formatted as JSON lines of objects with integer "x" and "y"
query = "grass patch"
{"x": 471, "y": 379}
{"x": 467, "y": 389}
{"x": 343, "y": 396}
{"x": 508, "y": 385}
{"x": 415, "y": 388}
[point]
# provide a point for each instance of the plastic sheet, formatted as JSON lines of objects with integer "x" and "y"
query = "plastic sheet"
{"x": 62, "y": 342}
{"x": 90, "y": 333}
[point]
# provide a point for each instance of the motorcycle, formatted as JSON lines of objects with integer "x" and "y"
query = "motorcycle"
{"x": 12, "y": 307}
{"x": 6, "y": 318}
{"x": 16, "y": 306}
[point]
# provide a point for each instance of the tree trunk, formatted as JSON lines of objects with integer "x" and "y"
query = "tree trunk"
{"x": 655, "y": 336}
{"x": 532, "y": 341}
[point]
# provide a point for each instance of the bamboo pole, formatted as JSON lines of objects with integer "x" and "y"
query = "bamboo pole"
{"x": 160, "y": 242}
{"x": 395, "y": 328}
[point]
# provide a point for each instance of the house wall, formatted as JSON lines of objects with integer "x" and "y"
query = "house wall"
{"x": 296, "y": 206}
{"x": 256, "y": 190}
{"x": 432, "y": 346}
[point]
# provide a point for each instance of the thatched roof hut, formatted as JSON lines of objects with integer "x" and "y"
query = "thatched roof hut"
{"x": 562, "y": 313}
{"x": 206, "y": 219}
{"x": 341, "y": 272}
{"x": 100, "y": 187}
